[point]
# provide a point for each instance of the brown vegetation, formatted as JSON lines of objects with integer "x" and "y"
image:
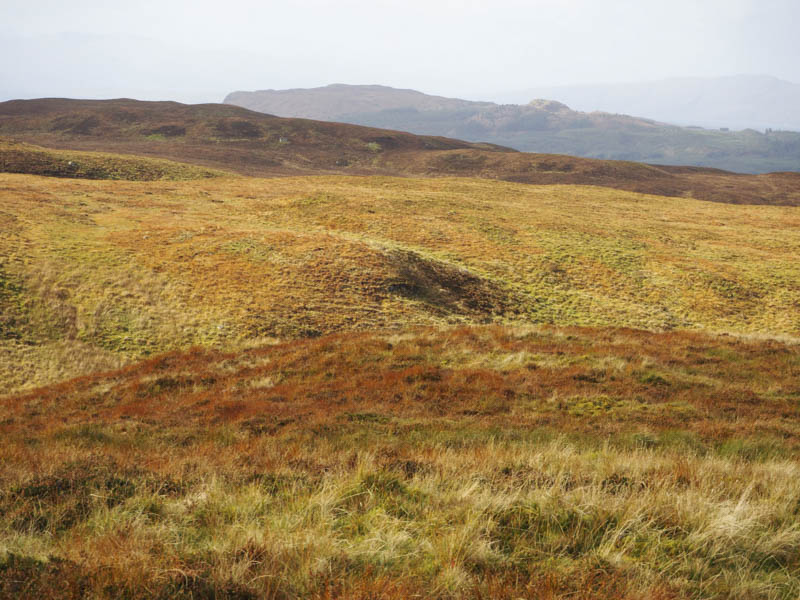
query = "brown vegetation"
{"x": 487, "y": 462}
{"x": 716, "y": 387}
{"x": 97, "y": 273}
{"x": 233, "y": 138}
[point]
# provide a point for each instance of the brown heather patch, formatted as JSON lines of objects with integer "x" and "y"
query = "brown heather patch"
{"x": 621, "y": 380}
{"x": 235, "y": 139}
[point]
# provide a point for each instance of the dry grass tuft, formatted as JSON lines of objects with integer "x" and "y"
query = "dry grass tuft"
{"x": 554, "y": 463}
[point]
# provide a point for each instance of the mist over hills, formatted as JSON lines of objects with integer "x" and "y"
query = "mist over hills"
{"x": 538, "y": 126}
{"x": 737, "y": 102}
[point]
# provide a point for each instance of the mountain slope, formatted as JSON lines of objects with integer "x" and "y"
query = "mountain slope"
{"x": 538, "y": 126}
{"x": 251, "y": 143}
{"x": 211, "y": 134}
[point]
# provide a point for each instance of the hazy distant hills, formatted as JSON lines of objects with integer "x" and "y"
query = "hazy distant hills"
{"x": 537, "y": 126}
{"x": 740, "y": 102}
{"x": 335, "y": 101}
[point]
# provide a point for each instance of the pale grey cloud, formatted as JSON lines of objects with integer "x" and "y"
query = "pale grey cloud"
{"x": 199, "y": 50}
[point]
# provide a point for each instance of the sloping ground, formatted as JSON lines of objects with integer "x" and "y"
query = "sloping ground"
{"x": 16, "y": 157}
{"x": 97, "y": 273}
{"x": 239, "y": 140}
{"x": 474, "y": 462}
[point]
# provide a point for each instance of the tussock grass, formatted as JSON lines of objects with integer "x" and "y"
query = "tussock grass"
{"x": 374, "y": 465}
{"x": 341, "y": 426}
{"x": 554, "y": 518}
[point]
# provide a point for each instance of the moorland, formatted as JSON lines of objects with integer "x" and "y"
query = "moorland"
{"x": 236, "y": 367}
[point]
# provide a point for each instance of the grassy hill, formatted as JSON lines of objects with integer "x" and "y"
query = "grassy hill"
{"x": 539, "y": 126}
{"x": 97, "y": 272}
{"x": 231, "y": 138}
{"x": 209, "y": 134}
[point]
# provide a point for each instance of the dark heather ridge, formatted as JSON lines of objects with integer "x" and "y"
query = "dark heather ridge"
{"x": 250, "y": 143}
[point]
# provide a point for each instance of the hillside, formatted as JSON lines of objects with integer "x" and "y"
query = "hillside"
{"x": 207, "y": 134}
{"x": 97, "y": 273}
{"x": 17, "y": 157}
{"x": 234, "y": 139}
{"x": 535, "y": 126}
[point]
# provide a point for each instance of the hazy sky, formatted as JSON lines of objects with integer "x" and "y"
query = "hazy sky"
{"x": 199, "y": 50}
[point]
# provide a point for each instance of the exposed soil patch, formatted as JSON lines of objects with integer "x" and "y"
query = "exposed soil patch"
{"x": 446, "y": 288}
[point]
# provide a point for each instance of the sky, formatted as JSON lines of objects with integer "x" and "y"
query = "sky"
{"x": 198, "y": 51}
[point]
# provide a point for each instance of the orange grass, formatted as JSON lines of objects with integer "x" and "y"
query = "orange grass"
{"x": 474, "y": 462}
{"x": 621, "y": 380}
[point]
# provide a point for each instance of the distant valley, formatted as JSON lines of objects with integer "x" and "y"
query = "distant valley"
{"x": 544, "y": 126}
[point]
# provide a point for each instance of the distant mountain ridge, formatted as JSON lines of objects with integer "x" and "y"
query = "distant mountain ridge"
{"x": 737, "y": 102}
{"x": 546, "y": 126}
{"x": 332, "y": 101}
{"x": 352, "y": 103}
